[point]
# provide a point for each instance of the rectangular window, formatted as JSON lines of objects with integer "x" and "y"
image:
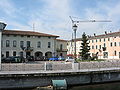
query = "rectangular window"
{"x": 28, "y": 36}
{"x": 28, "y": 43}
{"x": 115, "y": 44}
{"x": 100, "y": 40}
{"x": 61, "y": 46}
{"x": 14, "y": 35}
{"x": 22, "y": 35}
{"x": 108, "y": 39}
{"x": 49, "y": 44}
{"x": 7, "y": 53}
{"x": 14, "y": 53}
{"x": 21, "y": 43}
{"x": 104, "y": 45}
{"x": 92, "y": 47}
{"x": 111, "y": 44}
{"x": 39, "y": 44}
{"x": 21, "y": 54}
{"x": 96, "y": 46}
{"x": 14, "y": 43}
{"x": 104, "y": 39}
{"x": 100, "y": 47}
{"x": 96, "y": 40}
{"x": 49, "y": 37}
{"x": 7, "y": 43}
{"x": 115, "y": 52}
{"x": 39, "y": 36}
{"x": 92, "y": 41}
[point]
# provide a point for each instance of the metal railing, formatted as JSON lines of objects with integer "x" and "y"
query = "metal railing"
{"x": 56, "y": 65}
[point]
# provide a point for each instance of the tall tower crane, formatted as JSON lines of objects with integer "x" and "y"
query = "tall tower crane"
{"x": 75, "y": 25}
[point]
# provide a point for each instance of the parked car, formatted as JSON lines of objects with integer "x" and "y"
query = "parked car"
{"x": 53, "y": 59}
{"x": 3, "y": 59}
{"x": 30, "y": 58}
{"x": 13, "y": 59}
{"x": 39, "y": 58}
{"x": 61, "y": 58}
{"x": 69, "y": 59}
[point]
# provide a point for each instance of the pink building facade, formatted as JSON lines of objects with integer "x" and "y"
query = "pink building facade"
{"x": 106, "y": 46}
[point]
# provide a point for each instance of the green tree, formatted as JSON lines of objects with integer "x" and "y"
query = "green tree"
{"x": 85, "y": 47}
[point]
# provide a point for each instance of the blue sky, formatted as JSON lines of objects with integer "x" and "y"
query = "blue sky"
{"x": 52, "y": 16}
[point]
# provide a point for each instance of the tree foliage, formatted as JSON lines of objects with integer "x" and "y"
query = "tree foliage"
{"x": 84, "y": 47}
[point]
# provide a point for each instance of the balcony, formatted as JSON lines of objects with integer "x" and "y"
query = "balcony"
{"x": 61, "y": 50}
{"x": 27, "y": 49}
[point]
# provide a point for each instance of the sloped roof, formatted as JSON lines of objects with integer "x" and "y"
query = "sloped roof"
{"x": 111, "y": 34}
{"x": 106, "y": 35}
{"x": 61, "y": 40}
{"x": 31, "y": 33}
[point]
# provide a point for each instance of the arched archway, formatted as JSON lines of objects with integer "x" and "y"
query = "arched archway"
{"x": 48, "y": 54}
{"x": 38, "y": 55}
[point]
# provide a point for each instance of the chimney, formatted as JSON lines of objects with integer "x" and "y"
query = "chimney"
{"x": 106, "y": 32}
{"x": 94, "y": 34}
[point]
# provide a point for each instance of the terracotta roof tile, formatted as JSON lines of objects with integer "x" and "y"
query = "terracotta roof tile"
{"x": 61, "y": 40}
{"x": 31, "y": 33}
{"x": 106, "y": 35}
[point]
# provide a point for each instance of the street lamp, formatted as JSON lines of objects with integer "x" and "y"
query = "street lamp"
{"x": 74, "y": 27}
{"x": 2, "y": 27}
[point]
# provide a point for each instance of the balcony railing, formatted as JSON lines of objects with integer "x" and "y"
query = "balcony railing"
{"x": 61, "y": 50}
{"x": 27, "y": 49}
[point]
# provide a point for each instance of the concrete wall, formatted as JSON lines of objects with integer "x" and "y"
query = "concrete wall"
{"x": 42, "y": 79}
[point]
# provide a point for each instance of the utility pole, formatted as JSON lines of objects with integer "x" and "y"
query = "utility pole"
{"x": 2, "y": 27}
{"x": 75, "y": 26}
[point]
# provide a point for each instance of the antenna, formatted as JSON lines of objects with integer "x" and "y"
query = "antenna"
{"x": 33, "y": 27}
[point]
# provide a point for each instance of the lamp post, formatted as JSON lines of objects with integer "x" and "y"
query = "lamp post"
{"x": 2, "y": 27}
{"x": 74, "y": 27}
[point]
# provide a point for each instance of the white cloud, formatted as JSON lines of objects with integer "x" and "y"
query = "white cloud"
{"x": 7, "y": 7}
{"x": 53, "y": 18}
{"x": 102, "y": 12}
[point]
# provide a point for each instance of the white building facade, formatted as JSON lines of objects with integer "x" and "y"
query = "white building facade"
{"x": 28, "y": 43}
{"x": 71, "y": 47}
{"x": 61, "y": 48}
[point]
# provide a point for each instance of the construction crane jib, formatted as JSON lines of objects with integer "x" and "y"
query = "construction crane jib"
{"x": 79, "y": 21}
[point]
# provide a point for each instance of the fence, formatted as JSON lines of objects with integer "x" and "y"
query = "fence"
{"x": 60, "y": 65}
{"x": 32, "y": 67}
